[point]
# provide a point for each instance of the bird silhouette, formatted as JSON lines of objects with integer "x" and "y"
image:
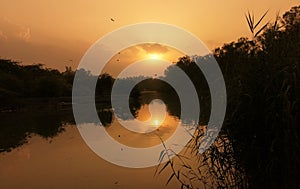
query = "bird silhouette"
{"x": 112, "y": 19}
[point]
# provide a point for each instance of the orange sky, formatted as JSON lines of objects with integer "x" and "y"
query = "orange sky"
{"x": 57, "y": 33}
{"x": 130, "y": 55}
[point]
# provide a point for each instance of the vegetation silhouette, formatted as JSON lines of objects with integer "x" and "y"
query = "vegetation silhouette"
{"x": 258, "y": 146}
{"x": 15, "y": 132}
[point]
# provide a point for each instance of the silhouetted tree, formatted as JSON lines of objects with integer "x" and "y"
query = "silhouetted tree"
{"x": 259, "y": 145}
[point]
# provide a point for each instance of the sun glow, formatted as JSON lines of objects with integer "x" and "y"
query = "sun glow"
{"x": 154, "y": 56}
{"x": 156, "y": 122}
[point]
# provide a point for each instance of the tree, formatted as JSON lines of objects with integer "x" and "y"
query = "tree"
{"x": 259, "y": 145}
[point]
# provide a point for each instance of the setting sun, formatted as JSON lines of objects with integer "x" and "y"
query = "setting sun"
{"x": 156, "y": 122}
{"x": 154, "y": 56}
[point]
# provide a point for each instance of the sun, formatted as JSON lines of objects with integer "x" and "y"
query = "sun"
{"x": 154, "y": 56}
{"x": 156, "y": 122}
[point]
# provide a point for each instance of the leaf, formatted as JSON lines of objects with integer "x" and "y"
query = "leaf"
{"x": 162, "y": 155}
{"x": 186, "y": 166}
{"x": 170, "y": 178}
{"x": 261, "y": 19}
{"x": 251, "y": 21}
{"x": 261, "y": 29}
{"x": 276, "y": 21}
{"x": 248, "y": 22}
{"x": 164, "y": 166}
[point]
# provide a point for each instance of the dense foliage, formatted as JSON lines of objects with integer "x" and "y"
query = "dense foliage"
{"x": 259, "y": 145}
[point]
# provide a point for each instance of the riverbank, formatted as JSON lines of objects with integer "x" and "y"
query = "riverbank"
{"x": 44, "y": 104}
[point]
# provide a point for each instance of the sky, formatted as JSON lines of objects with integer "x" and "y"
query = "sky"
{"x": 58, "y": 33}
{"x": 146, "y": 59}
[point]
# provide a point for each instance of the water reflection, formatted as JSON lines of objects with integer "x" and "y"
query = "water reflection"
{"x": 16, "y": 128}
{"x": 139, "y": 142}
{"x": 68, "y": 163}
{"x": 156, "y": 127}
{"x": 148, "y": 118}
{"x": 45, "y": 149}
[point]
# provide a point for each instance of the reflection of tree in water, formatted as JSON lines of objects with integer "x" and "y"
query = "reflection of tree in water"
{"x": 148, "y": 90}
{"x": 17, "y": 127}
{"x": 105, "y": 116}
{"x": 105, "y": 112}
{"x": 157, "y": 89}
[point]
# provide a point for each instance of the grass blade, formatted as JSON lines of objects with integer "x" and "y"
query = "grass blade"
{"x": 170, "y": 178}
{"x": 261, "y": 29}
{"x": 261, "y": 19}
{"x": 164, "y": 166}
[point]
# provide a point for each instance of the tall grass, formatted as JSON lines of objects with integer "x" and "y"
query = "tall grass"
{"x": 259, "y": 145}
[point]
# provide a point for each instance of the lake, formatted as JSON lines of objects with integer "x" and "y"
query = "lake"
{"x": 44, "y": 149}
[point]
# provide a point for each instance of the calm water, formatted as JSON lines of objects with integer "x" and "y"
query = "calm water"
{"x": 45, "y": 150}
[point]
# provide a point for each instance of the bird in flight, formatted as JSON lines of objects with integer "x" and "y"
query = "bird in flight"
{"x": 111, "y": 19}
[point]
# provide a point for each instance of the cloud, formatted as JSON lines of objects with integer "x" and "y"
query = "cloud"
{"x": 2, "y": 35}
{"x": 24, "y": 34}
{"x": 17, "y": 43}
{"x": 13, "y": 31}
{"x": 154, "y": 48}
